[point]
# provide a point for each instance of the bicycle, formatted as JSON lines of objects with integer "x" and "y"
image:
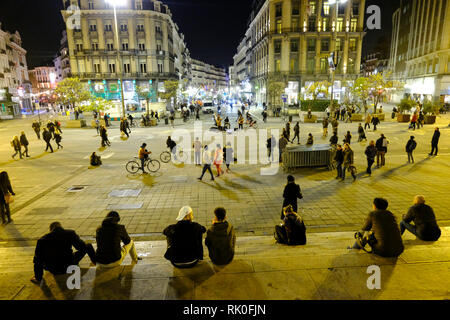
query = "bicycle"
{"x": 134, "y": 166}
{"x": 254, "y": 125}
{"x": 166, "y": 156}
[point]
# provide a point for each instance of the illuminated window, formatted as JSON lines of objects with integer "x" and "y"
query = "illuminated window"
{"x": 294, "y": 25}
{"x": 312, "y": 7}
{"x": 340, "y": 24}
{"x": 325, "y": 22}
{"x": 310, "y": 65}
{"x": 277, "y": 65}
{"x": 279, "y": 26}
{"x": 353, "y": 25}
{"x": 294, "y": 45}
{"x": 338, "y": 44}
{"x": 326, "y": 8}
{"x": 323, "y": 65}
{"x": 293, "y": 65}
{"x": 352, "y": 45}
{"x": 278, "y": 10}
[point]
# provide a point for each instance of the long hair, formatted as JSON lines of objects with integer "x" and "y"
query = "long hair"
{"x": 4, "y": 179}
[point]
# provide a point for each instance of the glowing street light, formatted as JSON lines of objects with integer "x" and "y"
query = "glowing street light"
{"x": 118, "y": 3}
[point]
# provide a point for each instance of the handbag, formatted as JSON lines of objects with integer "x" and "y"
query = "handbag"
{"x": 9, "y": 198}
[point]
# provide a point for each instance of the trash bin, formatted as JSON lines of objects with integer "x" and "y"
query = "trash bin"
{"x": 290, "y": 118}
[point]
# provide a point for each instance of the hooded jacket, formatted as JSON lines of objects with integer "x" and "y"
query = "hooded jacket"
{"x": 109, "y": 235}
{"x": 220, "y": 240}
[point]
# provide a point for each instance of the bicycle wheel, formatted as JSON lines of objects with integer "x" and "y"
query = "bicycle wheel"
{"x": 165, "y": 157}
{"x": 133, "y": 167}
{"x": 153, "y": 165}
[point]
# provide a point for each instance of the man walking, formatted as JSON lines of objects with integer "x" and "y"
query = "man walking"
{"x": 271, "y": 143}
{"x": 435, "y": 142}
{"x": 335, "y": 125}
{"x": 339, "y": 158}
{"x": 47, "y": 136}
{"x": 15, "y": 143}
{"x": 24, "y": 143}
{"x": 375, "y": 122}
{"x": 410, "y": 146}
{"x": 282, "y": 143}
{"x": 288, "y": 130}
{"x": 296, "y": 133}
{"x": 371, "y": 152}
{"x": 381, "y": 146}
{"x": 368, "y": 121}
{"x": 37, "y": 128}
{"x": 207, "y": 160}
{"x": 197, "y": 152}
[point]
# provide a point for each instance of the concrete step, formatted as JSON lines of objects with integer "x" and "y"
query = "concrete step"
{"x": 261, "y": 269}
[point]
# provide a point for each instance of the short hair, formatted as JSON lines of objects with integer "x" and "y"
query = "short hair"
{"x": 143, "y": 145}
{"x": 55, "y": 225}
{"x": 419, "y": 199}
{"x": 220, "y": 213}
{"x": 380, "y": 203}
{"x": 113, "y": 214}
{"x": 412, "y": 137}
{"x": 290, "y": 178}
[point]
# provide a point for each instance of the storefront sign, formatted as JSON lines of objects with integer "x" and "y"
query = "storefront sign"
{"x": 113, "y": 87}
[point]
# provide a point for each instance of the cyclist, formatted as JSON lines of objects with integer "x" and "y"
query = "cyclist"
{"x": 143, "y": 156}
{"x": 172, "y": 145}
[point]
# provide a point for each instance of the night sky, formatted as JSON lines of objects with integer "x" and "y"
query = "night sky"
{"x": 212, "y": 28}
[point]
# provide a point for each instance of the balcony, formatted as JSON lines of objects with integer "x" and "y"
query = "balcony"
{"x": 160, "y": 53}
{"x": 93, "y": 33}
{"x": 123, "y": 33}
{"x": 140, "y": 33}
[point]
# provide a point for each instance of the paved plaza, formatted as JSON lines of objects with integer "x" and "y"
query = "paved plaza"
{"x": 148, "y": 203}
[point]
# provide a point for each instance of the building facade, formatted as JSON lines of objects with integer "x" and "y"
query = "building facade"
{"x": 15, "y": 87}
{"x": 207, "y": 76}
{"x": 291, "y": 41}
{"x": 373, "y": 63}
{"x": 147, "y": 50}
{"x": 62, "y": 61}
{"x": 44, "y": 78}
{"x": 420, "y": 49}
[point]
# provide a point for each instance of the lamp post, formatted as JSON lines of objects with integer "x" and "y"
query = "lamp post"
{"x": 333, "y": 70}
{"x": 116, "y": 3}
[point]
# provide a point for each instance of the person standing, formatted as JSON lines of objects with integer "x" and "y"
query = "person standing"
{"x": 381, "y": 146}
{"x": 348, "y": 162}
{"x": 371, "y": 152}
{"x": 361, "y": 133}
{"x": 58, "y": 138}
{"x": 435, "y": 142}
{"x": 291, "y": 193}
{"x": 288, "y": 131}
{"x": 335, "y": 125}
{"x": 296, "y": 133}
{"x": 37, "y": 128}
{"x": 334, "y": 139}
{"x": 6, "y": 192}
{"x": 143, "y": 155}
{"x": 420, "y": 120}
{"x": 218, "y": 159}
{"x": 197, "y": 152}
{"x": 271, "y": 143}
{"x": 413, "y": 121}
{"x": 24, "y": 142}
{"x": 241, "y": 122}
{"x": 123, "y": 128}
{"x": 325, "y": 126}
{"x": 97, "y": 125}
{"x": 282, "y": 143}
{"x": 375, "y": 122}
{"x": 104, "y": 136}
{"x": 207, "y": 160}
{"x": 15, "y": 143}
{"x": 339, "y": 158}
{"x": 368, "y": 121}
{"x": 220, "y": 239}
{"x": 348, "y": 137}
{"x": 47, "y": 136}
{"x": 410, "y": 146}
{"x": 228, "y": 155}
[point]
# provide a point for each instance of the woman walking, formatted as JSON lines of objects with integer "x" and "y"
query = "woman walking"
{"x": 58, "y": 138}
{"x": 348, "y": 162}
{"x": 228, "y": 155}
{"x": 371, "y": 152}
{"x": 6, "y": 192}
{"x": 218, "y": 159}
{"x": 15, "y": 143}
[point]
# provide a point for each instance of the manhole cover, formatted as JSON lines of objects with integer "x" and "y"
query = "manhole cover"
{"x": 125, "y": 206}
{"x": 125, "y": 193}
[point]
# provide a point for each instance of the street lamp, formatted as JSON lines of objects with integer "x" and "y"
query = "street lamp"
{"x": 333, "y": 70}
{"x": 116, "y": 3}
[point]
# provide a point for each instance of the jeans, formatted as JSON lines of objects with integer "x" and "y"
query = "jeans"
{"x": 296, "y": 136}
{"x": 4, "y": 211}
{"x": 143, "y": 164}
{"x": 434, "y": 148}
{"x": 367, "y": 125}
{"x": 48, "y": 146}
{"x": 370, "y": 162}
{"x": 339, "y": 169}
{"x": 343, "y": 173}
{"x": 410, "y": 157}
{"x": 381, "y": 158}
{"x": 407, "y": 226}
{"x": 128, "y": 248}
{"x": 207, "y": 167}
{"x": 197, "y": 157}
{"x": 38, "y": 134}
{"x": 17, "y": 152}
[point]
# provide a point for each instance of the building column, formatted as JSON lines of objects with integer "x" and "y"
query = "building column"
{"x": 344, "y": 61}
{"x": 303, "y": 54}
{"x": 101, "y": 34}
{"x": 85, "y": 32}
{"x": 285, "y": 54}
{"x": 71, "y": 47}
{"x": 358, "y": 56}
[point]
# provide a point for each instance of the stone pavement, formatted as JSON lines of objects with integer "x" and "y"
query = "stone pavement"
{"x": 253, "y": 202}
{"x": 261, "y": 270}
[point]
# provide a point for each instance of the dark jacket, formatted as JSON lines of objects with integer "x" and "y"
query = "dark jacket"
{"x": 436, "y": 136}
{"x": 410, "y": 145}
{"x": 379, "y": 145}
{"x": 291, "y": 193}
{"x": 109, "y": 236}
{"x": 297, "y": 129}
{"x": 334, "y": 139}
{"x": 220, "y": 240}
{"x": 371, "y": 152}
{"x": 425, "y": 222}
{"x": 184, "y": 241}
{"x": 4, "y": 189}
{"x": 54, "y": 251}
{"x": 386, "y": 231}
{"x": 295, "y": 230}
{"x": 23, "y": 140}
{"x": 339, "y": 157}
{"x": 348, "y": 158}
{"x": 47, "y": 136}
{"x": 375, "y": 121}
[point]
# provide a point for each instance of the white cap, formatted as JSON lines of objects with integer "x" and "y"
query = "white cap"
{"x": 185, "y": 211}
